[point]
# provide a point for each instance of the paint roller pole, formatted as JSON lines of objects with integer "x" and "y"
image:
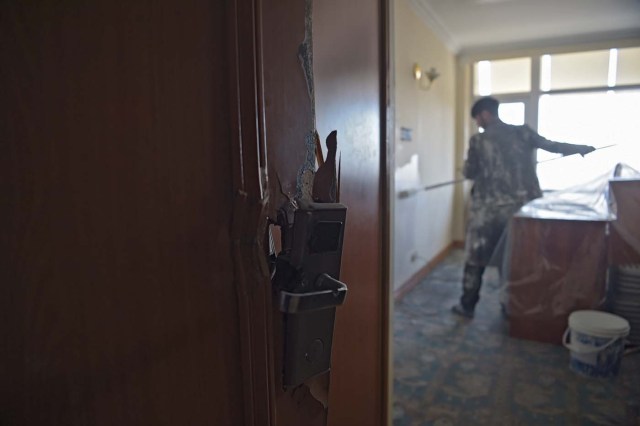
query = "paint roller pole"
{"x": 565, "y": 156}
{"x": 409, "y": 192}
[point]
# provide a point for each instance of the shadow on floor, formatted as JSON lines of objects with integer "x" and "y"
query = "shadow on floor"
{"x": 452, "y": 371}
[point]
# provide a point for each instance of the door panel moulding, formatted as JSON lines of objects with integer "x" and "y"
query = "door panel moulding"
{"x": 253, "y": 287}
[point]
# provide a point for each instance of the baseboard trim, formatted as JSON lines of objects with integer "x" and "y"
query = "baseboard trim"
{"x": 458, "y": 244}
{"x": 415, "y": 279}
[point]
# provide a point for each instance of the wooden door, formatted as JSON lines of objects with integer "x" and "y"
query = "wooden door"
{"x": 143, "y": 146}
{"x": 347, "y": 94}
{"x": 118, "y": 296}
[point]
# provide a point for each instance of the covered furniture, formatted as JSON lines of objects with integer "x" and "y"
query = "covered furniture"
{"x": 557, "y": 266}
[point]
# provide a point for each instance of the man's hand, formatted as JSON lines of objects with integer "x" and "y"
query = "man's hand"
{"x": 585, "y": 149}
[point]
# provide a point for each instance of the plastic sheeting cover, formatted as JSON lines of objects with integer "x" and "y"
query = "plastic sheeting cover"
{"x": 557, "y": 252}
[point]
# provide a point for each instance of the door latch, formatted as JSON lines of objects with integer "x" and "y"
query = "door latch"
{"x": 306, "y": 277}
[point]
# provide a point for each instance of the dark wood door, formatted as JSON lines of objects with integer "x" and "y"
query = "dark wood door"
{"x": 143, "y": 145}
{"x": 347, "y": 94}
{"x": 117, "y": 292}
{"x": 349, "y": 53}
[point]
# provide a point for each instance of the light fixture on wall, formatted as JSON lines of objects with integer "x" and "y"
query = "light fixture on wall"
{"x": 425, "y": 78}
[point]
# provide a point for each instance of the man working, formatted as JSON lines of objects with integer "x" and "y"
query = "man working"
{"x": 502, "y": 164}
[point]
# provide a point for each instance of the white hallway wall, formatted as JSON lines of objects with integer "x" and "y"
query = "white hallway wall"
{"x": 423, "y": 223}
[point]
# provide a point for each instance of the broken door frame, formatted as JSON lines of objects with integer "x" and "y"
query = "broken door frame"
{"x": 249, "y": 163}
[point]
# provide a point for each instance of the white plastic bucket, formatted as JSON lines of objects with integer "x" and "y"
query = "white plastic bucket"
{"x": 596, "y": 342}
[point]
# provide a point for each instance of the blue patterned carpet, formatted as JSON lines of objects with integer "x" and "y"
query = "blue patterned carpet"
{"x": 452, "y": 371}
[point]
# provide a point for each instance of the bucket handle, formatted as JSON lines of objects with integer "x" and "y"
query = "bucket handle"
{"x": 572, "y": 348}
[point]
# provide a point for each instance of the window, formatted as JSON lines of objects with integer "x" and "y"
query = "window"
{"x": 588, "y": 98}
{"x": 500, "y": 77}
{"x": 628, "y": 69}
{"x": 512, "y": 112}
{"x": 607, "y": 121}
{"x": 574, "y": 70}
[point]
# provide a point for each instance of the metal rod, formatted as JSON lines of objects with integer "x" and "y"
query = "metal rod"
{"x": 409, "y": 192}
{"x": 563, "y": 156}
{"x": 438, "y": 185}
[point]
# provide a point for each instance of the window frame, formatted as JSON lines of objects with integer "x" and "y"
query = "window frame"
{"x": 532, "y": 98}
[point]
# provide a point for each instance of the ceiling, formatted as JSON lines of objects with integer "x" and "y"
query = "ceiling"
{"x": 476, "y": 25}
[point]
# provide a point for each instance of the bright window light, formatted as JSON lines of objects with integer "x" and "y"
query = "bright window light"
{"x": 578, "y": 70}
{"x": 605, "y": 121}
{"x": 545, "y": 73}
{"x": 613, "y": 67}
{"x": 512, "y": 113}
{"x": 484, "y": 78}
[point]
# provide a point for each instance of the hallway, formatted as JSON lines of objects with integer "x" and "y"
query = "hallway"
{"x": 449, "y": 371}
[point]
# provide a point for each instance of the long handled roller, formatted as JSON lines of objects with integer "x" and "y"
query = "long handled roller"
{"x": 409, "y": 192}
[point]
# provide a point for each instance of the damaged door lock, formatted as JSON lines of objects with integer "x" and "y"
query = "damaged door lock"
{"x": 306, "y": 277}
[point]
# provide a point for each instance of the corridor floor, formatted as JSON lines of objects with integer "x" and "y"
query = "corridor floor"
{"x": 452, "y": 371}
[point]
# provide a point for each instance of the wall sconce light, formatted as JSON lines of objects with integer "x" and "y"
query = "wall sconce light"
{"x": 425, "y": 78}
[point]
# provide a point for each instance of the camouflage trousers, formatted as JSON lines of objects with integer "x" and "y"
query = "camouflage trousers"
{"x": 486, "y": 227}
{"x": 471, "y": 284}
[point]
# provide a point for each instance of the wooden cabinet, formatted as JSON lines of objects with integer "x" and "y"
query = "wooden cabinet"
{"x": 556, "y": 267}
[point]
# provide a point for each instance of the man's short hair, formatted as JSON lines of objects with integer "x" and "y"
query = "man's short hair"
{"x": 485, "y": 104}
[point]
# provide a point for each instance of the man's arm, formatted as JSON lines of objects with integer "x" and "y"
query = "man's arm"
{"x": 471, "y": 165}
{"x": 557, "y": 147}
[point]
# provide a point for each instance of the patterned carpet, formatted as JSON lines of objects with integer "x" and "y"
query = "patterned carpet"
{"x": 452, "y": 371}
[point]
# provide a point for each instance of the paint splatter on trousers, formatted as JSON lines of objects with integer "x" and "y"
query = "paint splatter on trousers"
{"x": 471, "y": 284}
